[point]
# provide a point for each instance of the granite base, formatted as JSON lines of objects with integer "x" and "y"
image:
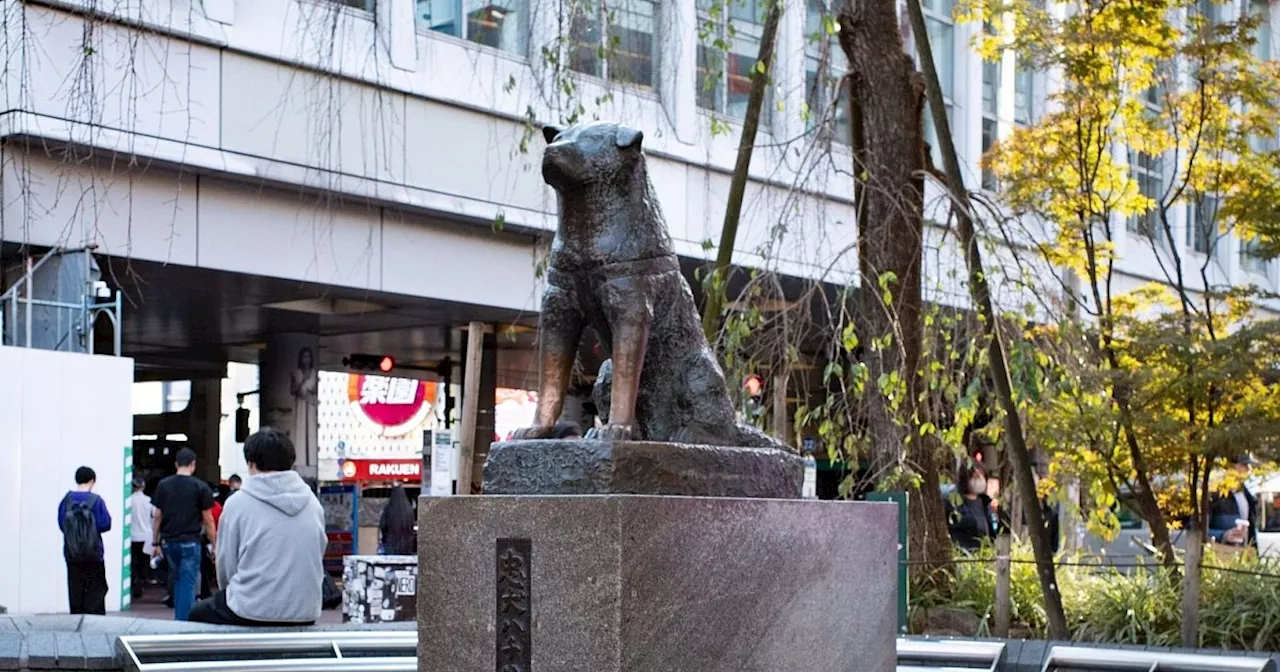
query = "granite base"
{"x": 622, "y": 583}
{"x": 596, "y": 467}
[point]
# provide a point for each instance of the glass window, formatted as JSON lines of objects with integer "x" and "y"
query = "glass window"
{"x": 724, "y": 79}
{"x": 1251, "y": 259}
{"x": 990, "y": 88}
{"x": 990, "y": 133}
{"x": 751, "y": 11}
{"x": 1210, "y": 10}
{"x": 358, "y": 4}
{"x": 626, "y": 52}
{"x": 1201, "y": 227}
{"x": 931, "y": 133}
{"x": 1262, "y": 51}
{"x": 941, "y": 29}
{"x": 1024, "y": 80}
{"x": 990, "y": 111}
{"x": 501, "y": 24}
{"x": 824, "y": 82}
{"x": 1262, "y": 48}
{"x": 1146, "y": 171}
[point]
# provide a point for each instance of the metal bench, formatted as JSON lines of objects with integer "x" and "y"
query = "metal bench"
{"x": 273, "y": 652}
{"x": 1067, "y": 658}
{"x": 946, "y": 655}
{"x": 396, "y": 652}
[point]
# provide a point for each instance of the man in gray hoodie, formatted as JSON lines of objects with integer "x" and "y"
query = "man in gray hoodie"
{"x": 271, "y": 543}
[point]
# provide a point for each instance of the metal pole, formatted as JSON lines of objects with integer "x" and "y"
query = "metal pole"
{"x": 116, "y": 326}
{"x": 86, "y": 315}
{"x": 27, "y": 281}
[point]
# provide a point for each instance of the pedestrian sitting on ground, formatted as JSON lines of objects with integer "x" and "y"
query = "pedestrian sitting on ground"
{"x": 83, "y": 518}
{"x": 271, "y": 544}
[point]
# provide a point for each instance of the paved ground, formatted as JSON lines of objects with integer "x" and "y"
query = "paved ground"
{"x": 65, "y": 642}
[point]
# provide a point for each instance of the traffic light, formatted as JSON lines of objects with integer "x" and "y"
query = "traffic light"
{"x": 380, "y": 363}
{"x": 753, "y": 399}
{"x": 754, "y": 386}
{"x": 242, "y": 425}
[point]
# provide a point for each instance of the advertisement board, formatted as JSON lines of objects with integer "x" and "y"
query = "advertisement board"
{"x": 341, "y": 505}
{"x": 443, "y": 463}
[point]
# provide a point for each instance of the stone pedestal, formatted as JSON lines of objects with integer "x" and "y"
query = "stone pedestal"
{"x": 592, "y": 467}
{"x": 614, "y": 583}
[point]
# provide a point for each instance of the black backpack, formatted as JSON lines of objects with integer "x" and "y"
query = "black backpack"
{"x": 80, "y": 539}
{"x": 330, "y": 596}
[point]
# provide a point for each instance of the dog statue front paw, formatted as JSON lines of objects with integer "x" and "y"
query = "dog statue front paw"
{"x": 535, "y": 432}
{"x": 610, "y": 432}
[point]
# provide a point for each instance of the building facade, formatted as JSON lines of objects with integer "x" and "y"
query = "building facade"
{"x": 290, "y": 181}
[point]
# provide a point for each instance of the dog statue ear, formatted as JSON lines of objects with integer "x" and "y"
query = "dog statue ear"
{"x": 629, "y": 138}
{"x": 550, "y": 131}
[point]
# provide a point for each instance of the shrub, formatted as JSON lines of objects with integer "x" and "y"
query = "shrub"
{"x": 1239, "y": 603}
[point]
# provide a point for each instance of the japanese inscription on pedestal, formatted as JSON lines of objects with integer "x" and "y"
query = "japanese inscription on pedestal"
{"x": 514, "y": 606}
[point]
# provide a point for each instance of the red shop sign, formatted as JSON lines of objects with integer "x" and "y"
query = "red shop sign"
{"x": 390, "y": 406}
{"x": 382, "y": 470}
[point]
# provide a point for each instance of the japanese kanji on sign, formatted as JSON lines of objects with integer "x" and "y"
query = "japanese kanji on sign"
{"x": 390, "y": 406}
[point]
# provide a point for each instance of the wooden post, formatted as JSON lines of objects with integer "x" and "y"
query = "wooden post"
{"x": 781, "y": 423}
{"x": 1004, "y": 609}
{"x": 470, "y": 407}
{"x": 1191, "y": 590}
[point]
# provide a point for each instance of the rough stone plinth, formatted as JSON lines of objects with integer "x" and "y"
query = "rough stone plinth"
{"x": 592, "y": 467}
{"x": 622, "y": 583}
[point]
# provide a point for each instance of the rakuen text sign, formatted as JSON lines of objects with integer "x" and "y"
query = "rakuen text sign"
{"x": 382, "y": 470}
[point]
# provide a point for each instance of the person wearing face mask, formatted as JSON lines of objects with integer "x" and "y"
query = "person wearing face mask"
{"x": 970, "y": 521}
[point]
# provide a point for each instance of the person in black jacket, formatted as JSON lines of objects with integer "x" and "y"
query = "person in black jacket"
{"x": 970, "y": 521}
{"x": 1233, "y": 519}
{"x": 398, "y": 525}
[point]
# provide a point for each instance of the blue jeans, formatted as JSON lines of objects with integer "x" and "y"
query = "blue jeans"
{"x": 184, "y": 562}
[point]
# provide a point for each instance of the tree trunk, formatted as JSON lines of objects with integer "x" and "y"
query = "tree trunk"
{"x": 738, "y": 182}
{"x": 1015, "y": 438}
{"x": 887, "y": 96}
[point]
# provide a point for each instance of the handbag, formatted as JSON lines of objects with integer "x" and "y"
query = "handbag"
{"x": 330, "y": 596}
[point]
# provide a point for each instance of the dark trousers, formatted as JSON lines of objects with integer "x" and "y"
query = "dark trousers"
{"x": 184, "y": 567}
{"x": 208, "y": 574}
{"x": 140, "y": 568}
{"x": 215, "y": 610}
{"x": 87, "y": 587}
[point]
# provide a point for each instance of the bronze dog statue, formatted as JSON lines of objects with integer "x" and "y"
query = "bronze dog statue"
{"x": 612, "y": 268}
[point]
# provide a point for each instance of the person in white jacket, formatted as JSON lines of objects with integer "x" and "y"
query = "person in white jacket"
{"x": 141, "y": 512}
{"x": 271, "y": 542}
